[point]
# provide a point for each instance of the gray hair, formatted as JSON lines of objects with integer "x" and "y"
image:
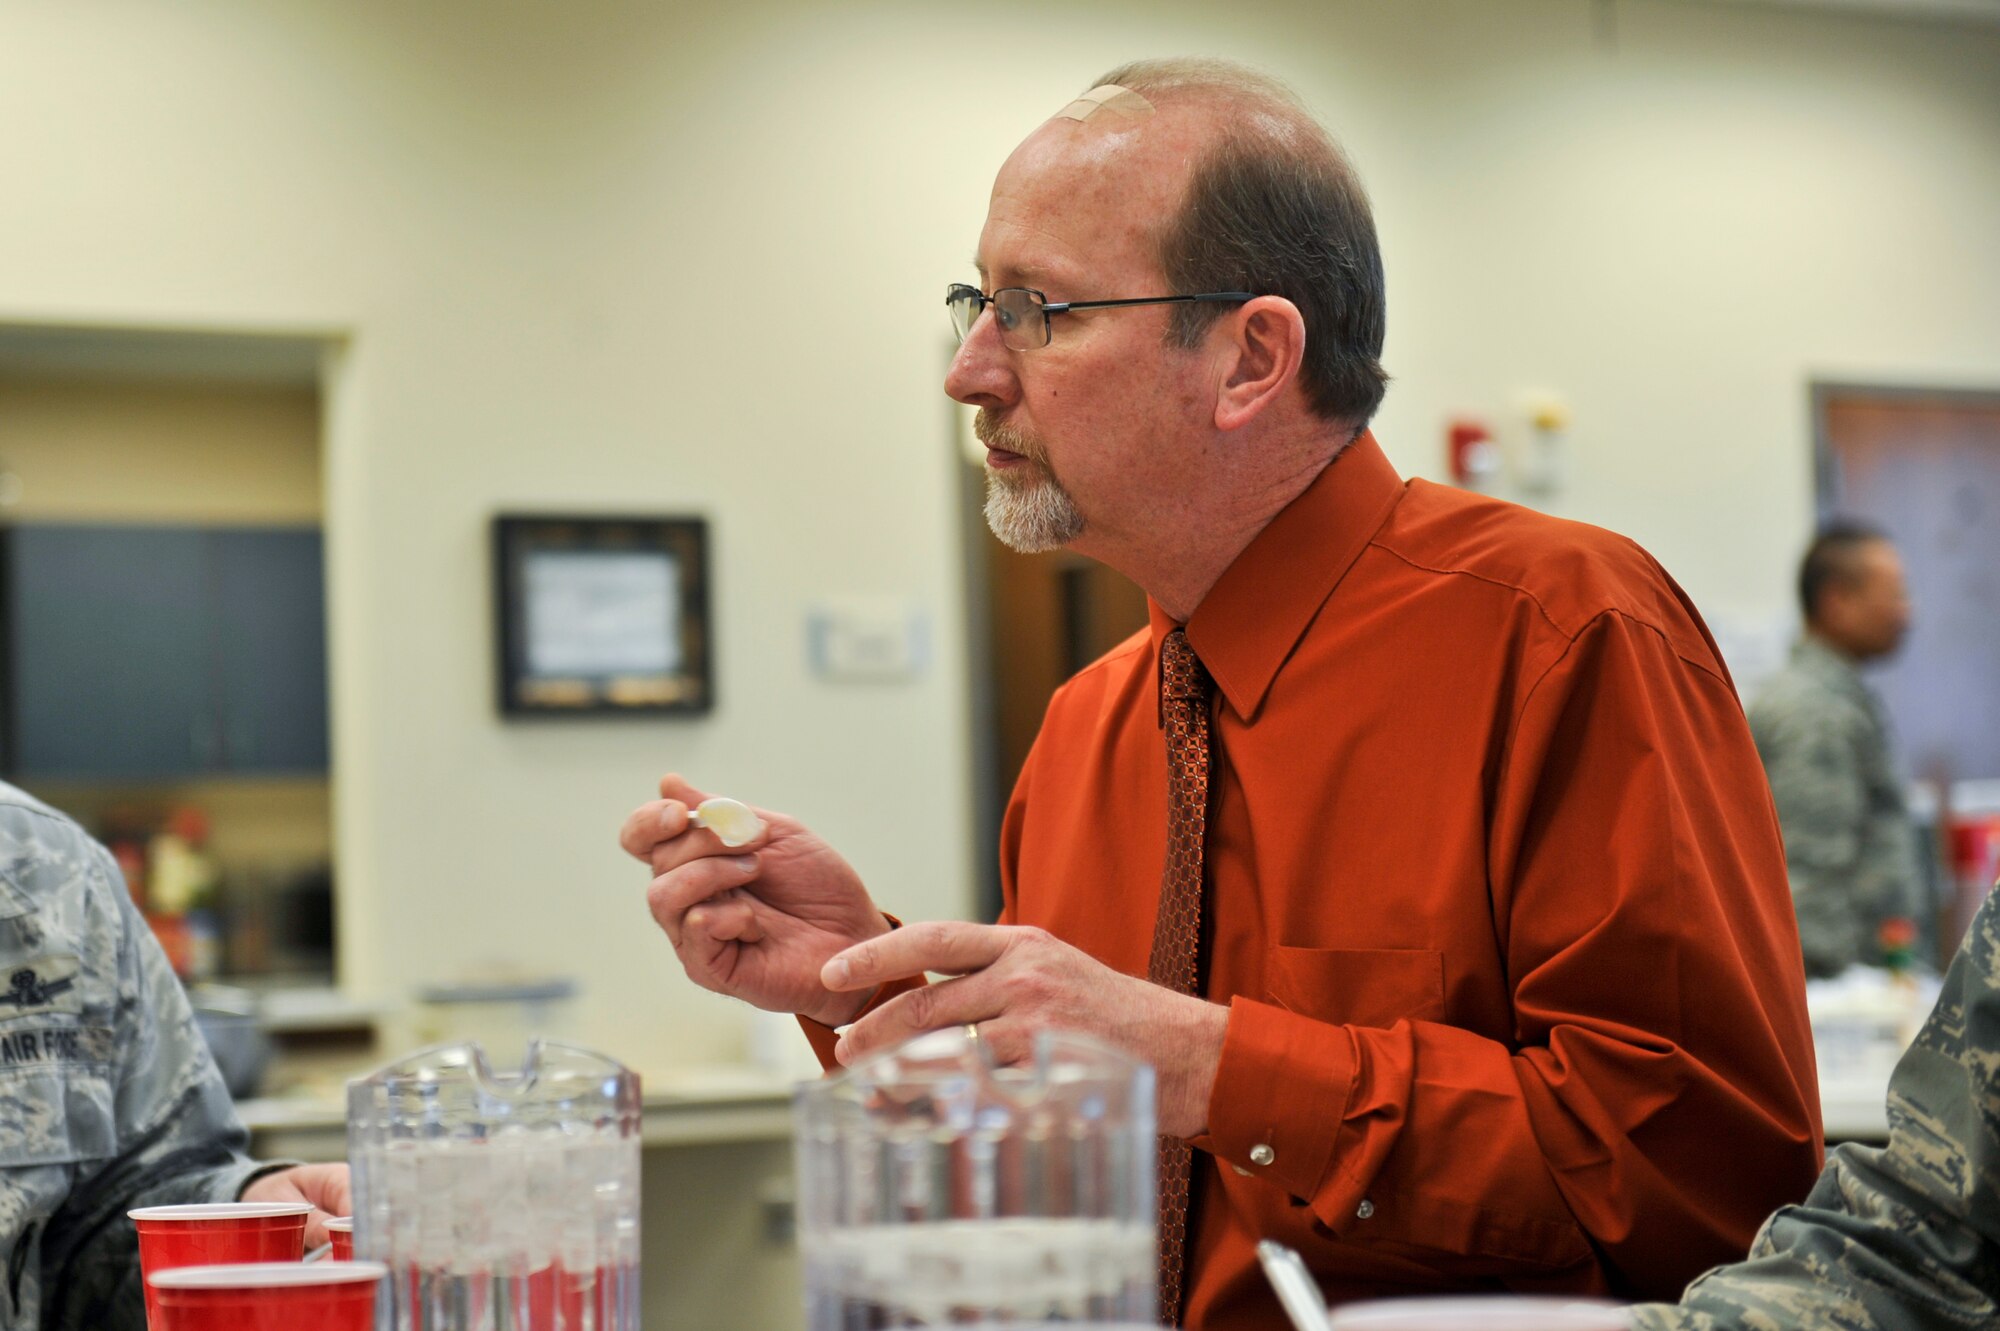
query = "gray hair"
{"x": 1273, "y": 207}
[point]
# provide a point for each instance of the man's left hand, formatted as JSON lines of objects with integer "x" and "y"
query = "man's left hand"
{"x": 324, "y": 1187}
{"x": 1012, "y": 982}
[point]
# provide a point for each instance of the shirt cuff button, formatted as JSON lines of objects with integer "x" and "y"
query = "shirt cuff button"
{"x": 1262, "y": 1154}
{"x": 1365, "y": 1210}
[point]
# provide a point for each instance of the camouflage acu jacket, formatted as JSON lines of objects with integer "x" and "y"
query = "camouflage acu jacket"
{"x": 1849, "y": 846}
{"x": 108, "y": 1097}
{"x": 1901, "y": 1238}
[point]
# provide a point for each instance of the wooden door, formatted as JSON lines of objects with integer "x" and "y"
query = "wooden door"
{"x": 1053, "y": 614}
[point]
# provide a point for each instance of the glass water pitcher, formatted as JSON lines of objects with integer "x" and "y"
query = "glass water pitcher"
{"x": 938, "y": 1189}
{"x": 500, "y": 1200}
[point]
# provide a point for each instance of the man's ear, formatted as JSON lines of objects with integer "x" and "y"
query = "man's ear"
{"x": 1263, "y": 343}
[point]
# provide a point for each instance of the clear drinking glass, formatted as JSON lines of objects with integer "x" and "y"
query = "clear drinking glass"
{"x": 500, "y": 1201}
{"x": 936, "y": 1188}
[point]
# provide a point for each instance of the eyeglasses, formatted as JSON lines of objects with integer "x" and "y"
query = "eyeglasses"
{"x": 1023, "y": 313}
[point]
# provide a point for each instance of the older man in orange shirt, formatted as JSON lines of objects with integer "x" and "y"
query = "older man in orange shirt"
{"x": 1419, "y": 843}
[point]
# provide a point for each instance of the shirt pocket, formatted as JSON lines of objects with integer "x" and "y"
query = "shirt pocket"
{"x": 55, "y": 1116}
{"x": 1359, "y": 986}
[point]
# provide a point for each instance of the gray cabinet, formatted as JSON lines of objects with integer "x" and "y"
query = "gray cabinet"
{"x": 271, "y": 626}
{"x": 148, "y": 652}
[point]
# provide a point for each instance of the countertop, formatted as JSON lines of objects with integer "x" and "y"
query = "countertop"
{"x": 687, "y": 1107}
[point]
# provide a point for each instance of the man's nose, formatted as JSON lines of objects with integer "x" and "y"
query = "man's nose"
{"x": 982, "y": 373}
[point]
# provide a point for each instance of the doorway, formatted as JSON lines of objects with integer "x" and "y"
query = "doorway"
{"x": 1034, "y": 620}
{"x": 1924, "y": 465}
{"x": 163, "y": 673}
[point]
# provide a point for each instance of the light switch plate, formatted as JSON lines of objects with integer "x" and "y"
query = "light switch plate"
{"x": 868, "y": 639}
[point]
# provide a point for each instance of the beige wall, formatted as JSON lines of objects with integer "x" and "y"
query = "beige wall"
{"x": 686, "y": 258}
{"x": 93, "y": 451}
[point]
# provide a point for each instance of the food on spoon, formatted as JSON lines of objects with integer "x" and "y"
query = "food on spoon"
{"x": 731, "y": 820}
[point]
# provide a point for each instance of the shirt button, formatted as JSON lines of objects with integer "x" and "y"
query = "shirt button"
{"x": 1241, "y": 1170}
{"x": 1262, "y": 1154}
{"x": 1364, "y": 1211}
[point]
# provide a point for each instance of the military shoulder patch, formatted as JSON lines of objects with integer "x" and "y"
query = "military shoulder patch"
{"x": 44, "y": 984}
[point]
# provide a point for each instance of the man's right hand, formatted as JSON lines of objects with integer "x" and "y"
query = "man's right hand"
{"x": 756, "y": 922}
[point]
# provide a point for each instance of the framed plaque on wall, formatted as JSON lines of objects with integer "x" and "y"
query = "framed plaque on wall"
{"x": 602, "y": 615}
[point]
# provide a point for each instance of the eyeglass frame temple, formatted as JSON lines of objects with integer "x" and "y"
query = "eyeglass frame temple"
{"x": 1049, "y": 311}
{"x": 1064, "y": 307}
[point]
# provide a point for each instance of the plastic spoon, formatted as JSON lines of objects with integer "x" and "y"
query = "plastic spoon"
{"x": 732, "y": 821}
{"x": 1297, "y": 1291}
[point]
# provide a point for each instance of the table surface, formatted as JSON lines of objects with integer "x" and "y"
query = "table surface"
{"x": 1855, "y": 1108}
{"x": 1863, "y": 1020}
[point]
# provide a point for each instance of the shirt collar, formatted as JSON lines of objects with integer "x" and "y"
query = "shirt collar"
{"x": 1259, "y": 608}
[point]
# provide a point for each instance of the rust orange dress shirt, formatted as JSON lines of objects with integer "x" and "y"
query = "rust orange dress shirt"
{"x": 1495, "y": 897}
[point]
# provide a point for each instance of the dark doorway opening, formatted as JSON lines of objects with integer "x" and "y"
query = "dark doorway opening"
{"x": 1924, "y": 465}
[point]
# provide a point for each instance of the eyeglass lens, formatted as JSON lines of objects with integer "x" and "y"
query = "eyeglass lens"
{"x": 963, "y": 302}
{"x": 1023, "y": 324}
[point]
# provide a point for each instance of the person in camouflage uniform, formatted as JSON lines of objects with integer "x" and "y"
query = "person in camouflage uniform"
{"x": 1898, "y": 1238}
{"x": 109, "y": 1099}
{"x": 1824, "y": 739}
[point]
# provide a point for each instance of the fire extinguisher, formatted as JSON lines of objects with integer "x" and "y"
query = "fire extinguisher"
{"x": 1474, "y": 458}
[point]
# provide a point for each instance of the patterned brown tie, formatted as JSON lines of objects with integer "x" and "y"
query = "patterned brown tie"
{"x": 1176, "y": 959}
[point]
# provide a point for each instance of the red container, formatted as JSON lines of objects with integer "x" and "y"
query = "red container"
{"x": 1975, "y": 861}
{"x": 340, "y": 1232}
{"x": 268, "y": 1296}
{"x": 176, "y": 1236}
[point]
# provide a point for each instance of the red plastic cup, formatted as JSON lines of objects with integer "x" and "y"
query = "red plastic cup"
{"x": 177, "y": 1236}
{"x": 340, "y": 1232}
{"x": 268, "y": 1296}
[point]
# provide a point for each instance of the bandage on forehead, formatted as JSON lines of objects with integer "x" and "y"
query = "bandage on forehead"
{"x": 1108, "y": 97}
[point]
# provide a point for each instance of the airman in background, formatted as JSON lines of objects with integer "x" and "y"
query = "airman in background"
{"x": 1824, "y": 738}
